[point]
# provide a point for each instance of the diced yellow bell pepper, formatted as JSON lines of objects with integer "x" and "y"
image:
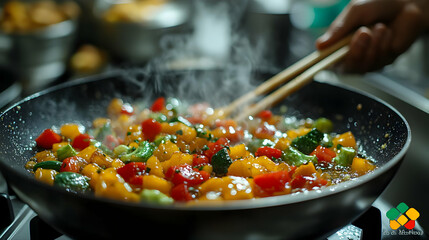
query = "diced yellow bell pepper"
{"x": 239, "y": 151}
{"x": 294, "y": 133}
{"x": 55, "y": 146}
{"x": 282, "y": 144}
{"x": 87, "y": 152}
{"x": 117, "y": 163}
{"x": 70, "y": 130}
{"x": 250, "y": 166}
{"x": 240, "y": 168}
{"x": 46, "y": 155}
{"x": 134, "y": 133}
{"x": 361, "y": 166}
{"x": 45, "y": 175}
{"x": 228, "y": 188}
{"x": 177, "y": 159}
{"x": 155, "y": 182}
{"x": 166, "y": 150}
{"x": 101, "y": 159}
{"x": 182, "y": 131}
{"x": 100, "y": 122}
{"x": 155, "y": 167}
{"x": 90, "y": 169}
{"x": 208, "y": 168}
{"x": 115, "y": 106}
{"x": 111, "y": 185}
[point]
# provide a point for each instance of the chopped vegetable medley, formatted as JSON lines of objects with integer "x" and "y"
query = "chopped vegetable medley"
{"x": 166, "y": 153}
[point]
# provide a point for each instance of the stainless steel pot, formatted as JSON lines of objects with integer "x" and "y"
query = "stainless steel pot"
{"x": 39, "y": 56}
{"x": 138, "y": 42}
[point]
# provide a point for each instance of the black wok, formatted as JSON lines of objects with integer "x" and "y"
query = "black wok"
{"x": 316, "y": 213}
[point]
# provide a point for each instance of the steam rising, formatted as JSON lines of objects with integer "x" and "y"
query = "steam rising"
{"x": 215, "y": 46}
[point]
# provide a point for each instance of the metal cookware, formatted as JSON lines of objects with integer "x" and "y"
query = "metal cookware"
{"x": 382, "y": 132}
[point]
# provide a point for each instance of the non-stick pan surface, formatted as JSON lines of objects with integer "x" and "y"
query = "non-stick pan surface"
{"x": 383, "y": 134}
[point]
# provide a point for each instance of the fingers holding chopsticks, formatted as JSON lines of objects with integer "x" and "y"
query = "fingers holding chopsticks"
{"x": 395, "y": 25}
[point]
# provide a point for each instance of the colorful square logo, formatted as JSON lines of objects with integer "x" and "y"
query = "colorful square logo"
{"x": 402, "y": 215}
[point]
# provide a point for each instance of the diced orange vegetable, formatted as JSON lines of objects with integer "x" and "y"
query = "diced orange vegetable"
{"x": 305, "y": 170}
{"x": 361, "y": 166}
{"x": 346, "y": 140}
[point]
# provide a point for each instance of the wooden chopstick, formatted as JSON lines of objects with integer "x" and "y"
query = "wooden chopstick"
{"x": 297, "y": 83}
{"x": 285, "y": 75}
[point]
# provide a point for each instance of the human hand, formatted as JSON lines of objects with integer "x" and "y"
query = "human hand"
{"x": 385, "y": 29}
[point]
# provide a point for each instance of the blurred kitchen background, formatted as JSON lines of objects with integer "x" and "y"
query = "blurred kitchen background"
{"x": 46, "y": 42}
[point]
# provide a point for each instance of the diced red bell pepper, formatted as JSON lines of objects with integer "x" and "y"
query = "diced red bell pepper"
{"x": 272, "y": 153}
{"x": 265, "y": 115}
{"x": 186, "y": 174}
{"x": 158, "y": 104}
{"x": 136, "y": 180}
{"x": 72, "y": 164}
{"x": 127, "y": 109}
{"x": 308, "y": 182}
{"x": 150, "y": 129}
{"x": 214, "y": 147}
{"x": 47, "y": 138}
{"x": 323, "y": 154}
{"x": 131, "y": 170}
{"x": 265, "y": 131}
{"x": 82, "y": 141}
{"x": 199, "y": 160}
{"x": 272, "y": 182}
{"x": 181, "y": 193}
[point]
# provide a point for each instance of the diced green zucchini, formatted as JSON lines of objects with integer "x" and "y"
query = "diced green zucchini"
{"x": 221, "y": 162}
{"x": 323, "y": 124}
{"x": 65, "y": 152}
{"x": 155, "y": 196}
{"x": 120, "y": 150}
{"x": 71, "y": 181}
{"x": 293, "y": 156}
{"x": 55, "y": 165}
{"x": 345, "y": 156}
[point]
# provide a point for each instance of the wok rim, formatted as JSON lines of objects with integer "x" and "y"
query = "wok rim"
{"x": 221, "y": 205}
